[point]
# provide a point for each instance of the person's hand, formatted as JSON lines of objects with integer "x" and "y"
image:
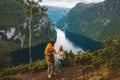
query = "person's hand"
{"x": 49, "y": 54}
{"x": 54, "y": 51}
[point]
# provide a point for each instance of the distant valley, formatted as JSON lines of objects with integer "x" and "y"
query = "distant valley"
{"x": 56, "y": 13}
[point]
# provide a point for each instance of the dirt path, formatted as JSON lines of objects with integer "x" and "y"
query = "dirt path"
{"x": 69, "y": 73}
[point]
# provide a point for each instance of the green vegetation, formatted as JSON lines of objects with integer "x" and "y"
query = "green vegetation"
{"x": 96, "y": 21}
{"x": 37, "y": 66}
{"x": 5, "y": 49}
{"x": 4, "y": 58}
{"x": 31, "y": 8}
{"x": 107, "y": 57}
{"x": 11, "y": 13}
{"x": 10, "y": 78}
{"x": 103, "y": 61}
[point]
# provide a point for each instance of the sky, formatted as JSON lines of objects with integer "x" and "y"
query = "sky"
{"x": 67, "y": 3}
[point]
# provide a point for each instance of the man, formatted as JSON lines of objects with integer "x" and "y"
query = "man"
{"x": 49, "y": 55}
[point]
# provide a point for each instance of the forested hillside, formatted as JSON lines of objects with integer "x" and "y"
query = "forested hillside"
{"x": 14, "y": 32}
{"x": 14, "y": 28}
{"x": 96, "y": 21}
{"x": 11, "y": 13}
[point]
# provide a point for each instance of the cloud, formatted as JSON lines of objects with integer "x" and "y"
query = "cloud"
{"x": 67, "y": 3}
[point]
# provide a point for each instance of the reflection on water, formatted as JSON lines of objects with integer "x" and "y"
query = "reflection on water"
{"x": 67, "y": 44}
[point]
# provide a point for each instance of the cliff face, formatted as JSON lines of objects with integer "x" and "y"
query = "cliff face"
{"x": 96, "y": 21}
{"x": 13, "y": 25}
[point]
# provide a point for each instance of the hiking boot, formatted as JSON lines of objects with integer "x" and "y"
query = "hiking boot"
{"x": 49, "y": 76}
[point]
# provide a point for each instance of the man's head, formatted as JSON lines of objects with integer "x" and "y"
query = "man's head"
{"x": 52, "y": 42}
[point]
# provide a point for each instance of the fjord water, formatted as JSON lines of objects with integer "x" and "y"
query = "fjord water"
{"x": 67, "y": 44}
{"x": 75, "y": 42}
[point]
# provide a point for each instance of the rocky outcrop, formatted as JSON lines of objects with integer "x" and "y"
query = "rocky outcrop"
{"x": 13, "y": 25}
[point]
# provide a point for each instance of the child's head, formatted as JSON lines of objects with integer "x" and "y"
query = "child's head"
{"x": 61, "y": 47}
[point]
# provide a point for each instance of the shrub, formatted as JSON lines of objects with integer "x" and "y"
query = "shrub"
{"x": 77, "y": 59}
{"x": 36, "y": 67}
{"x": 10, "y": 78}
{"x": 39, "y": 66}
{"x": 5, "y": 49}
{"x": 83, "y": 59}
{"x": 87, "y": 68}
{"x": 69, "y": 57}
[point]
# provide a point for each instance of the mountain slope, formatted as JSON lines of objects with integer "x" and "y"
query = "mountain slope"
{"x": 11, "y": 13}
{"x": 13, "y": 25}
{"x": 96, "y": 21}
{"x": 55, "y": 13}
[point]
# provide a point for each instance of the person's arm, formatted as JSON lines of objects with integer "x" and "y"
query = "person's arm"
{"x": 54, "y": 50}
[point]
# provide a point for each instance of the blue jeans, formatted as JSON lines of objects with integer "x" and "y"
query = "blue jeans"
{"x": 59, "y": 65}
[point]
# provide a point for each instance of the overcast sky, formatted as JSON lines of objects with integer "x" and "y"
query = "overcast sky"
{"x": 66, "y": 3}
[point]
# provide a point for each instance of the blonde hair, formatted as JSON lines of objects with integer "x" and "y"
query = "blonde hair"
{"x": 61, "y": 48}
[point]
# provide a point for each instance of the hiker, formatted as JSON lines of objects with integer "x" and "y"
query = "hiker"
{"x": 49, "y": 55}
{"x": 60, "y": 57}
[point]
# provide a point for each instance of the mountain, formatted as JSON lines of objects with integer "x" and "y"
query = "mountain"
{"x": 13, "y": 25}
{"x": 95, "y": 21}
{"x": 11, "y": 13}
{"x": 55, "y": 13}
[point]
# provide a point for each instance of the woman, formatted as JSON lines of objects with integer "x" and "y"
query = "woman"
{"x": 60, "y": 57}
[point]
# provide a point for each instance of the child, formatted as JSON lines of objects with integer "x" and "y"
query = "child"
{"x": 60, "y": 57}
